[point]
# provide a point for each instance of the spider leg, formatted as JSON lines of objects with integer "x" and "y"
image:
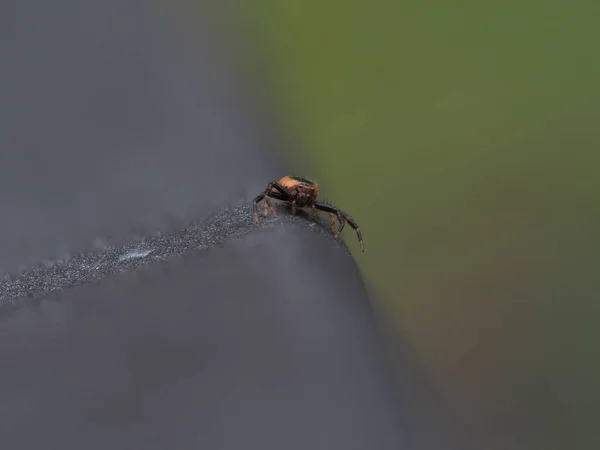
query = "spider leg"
{"x": 280, "y": 193}
{"x": 343, "y": 218}
{"x": 276, "y": 196}
{"x": 333, "y": 213}
{"x": 281, "y": 189}
{"x": 354, "y": 225}
{"x": 332, "y": 217}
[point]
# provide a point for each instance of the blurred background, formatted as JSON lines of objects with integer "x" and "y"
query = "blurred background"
{"x": 463, "y": 138}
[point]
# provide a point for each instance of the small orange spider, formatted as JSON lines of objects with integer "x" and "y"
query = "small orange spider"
{"x": 302, "y": 193}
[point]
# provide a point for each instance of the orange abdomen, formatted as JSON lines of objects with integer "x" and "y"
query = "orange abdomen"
{"x": 289, "y": 183}
{"x": 302, "y": 185}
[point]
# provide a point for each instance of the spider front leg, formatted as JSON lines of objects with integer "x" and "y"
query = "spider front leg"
{"x": 280, "y": 193}
{"x": 333, "y": 214}
{"x": 343, "y": 218}
{"x": 354, "y": 225}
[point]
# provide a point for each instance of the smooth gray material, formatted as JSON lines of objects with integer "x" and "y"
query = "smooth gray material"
{"x": 113, "y": 125}
{"x": 111, "y": 130}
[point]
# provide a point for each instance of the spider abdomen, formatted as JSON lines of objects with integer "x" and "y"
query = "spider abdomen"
{"x": 303, "y": 190}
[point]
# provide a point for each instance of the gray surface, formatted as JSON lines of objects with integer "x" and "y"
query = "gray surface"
{"x": 112, "y": 126}
{"x": 111, "y": 131}
{"x": 236, "y": 346}
{"x": 58, "y": 275}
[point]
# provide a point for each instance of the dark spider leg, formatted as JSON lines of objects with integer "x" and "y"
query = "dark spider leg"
{"x": 343, "y": 217}
{"x": 333, "y": 212}
{"x": 354, "y": 225}
{"x": 284, "y": 195}
{"x": 276, "y": 196}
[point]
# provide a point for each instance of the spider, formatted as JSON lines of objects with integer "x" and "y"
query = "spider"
{"x": 302, "y": 193}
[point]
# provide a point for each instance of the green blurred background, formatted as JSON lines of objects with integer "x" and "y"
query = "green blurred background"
{"x": 463, "y": 137}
